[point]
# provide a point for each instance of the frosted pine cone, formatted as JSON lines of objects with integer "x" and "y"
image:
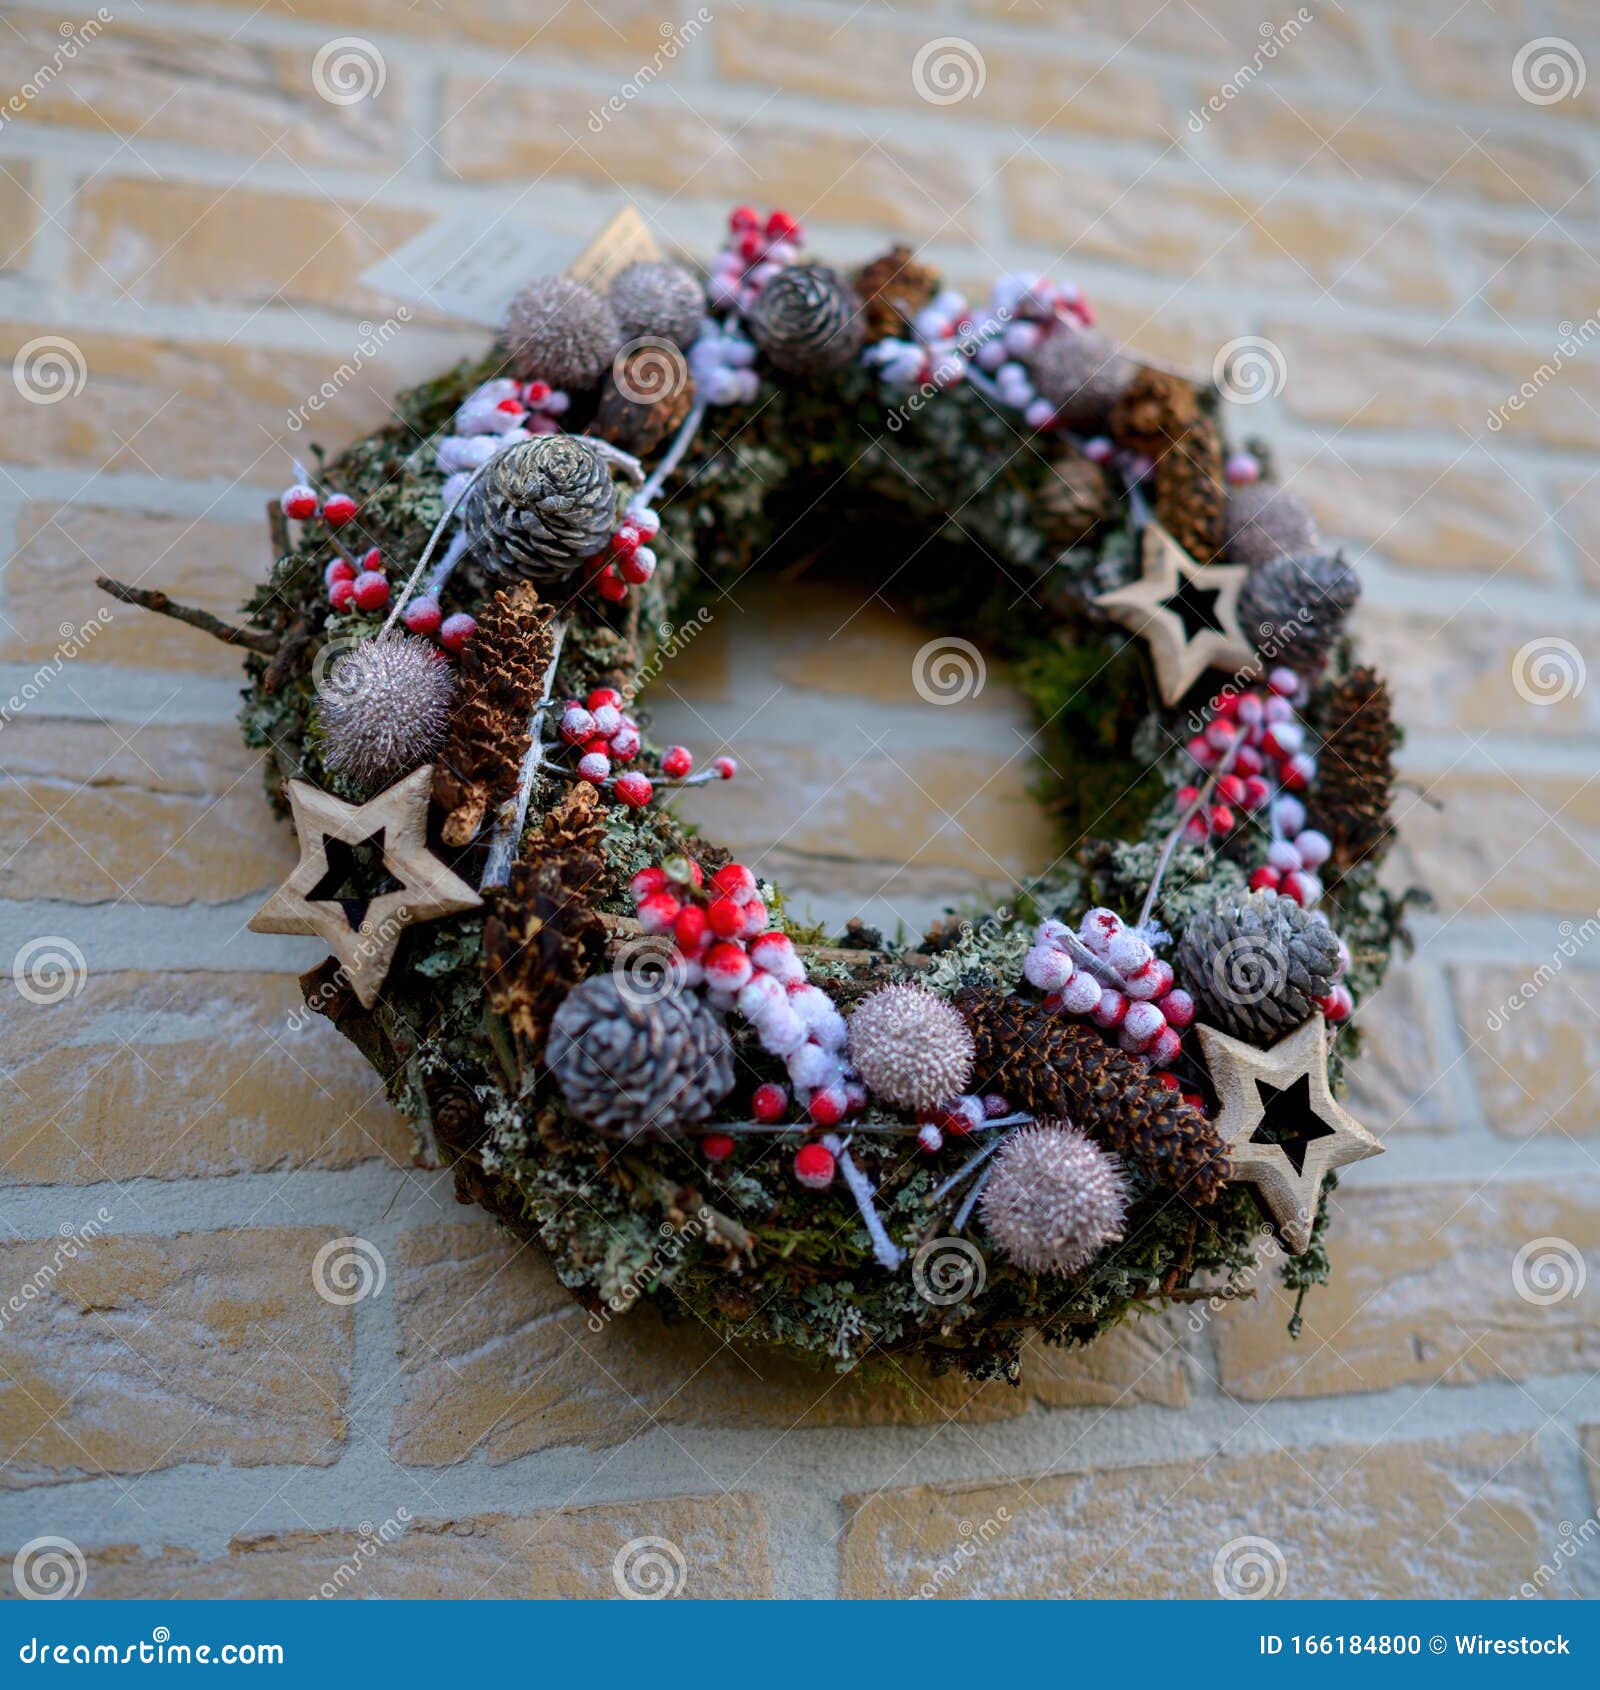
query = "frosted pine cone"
{"x": 631, "y": 1064}
{"x": 910, "y": 1047}
{"x": 1055, "y": 1199}
{"x": 542, "y": 507}
{"x": 807, "y": 320}
{"x": 1293, "y": 609}
{"x": 1262, "y": 522}
{"x": 659, "y": 299}
{"x": 383, "y": 708}
{"x": 1081, "y": 373}
{"x": 1257, "y": 965}
{"x": 561, "y": 332}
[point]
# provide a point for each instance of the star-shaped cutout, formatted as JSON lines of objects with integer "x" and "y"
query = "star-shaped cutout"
{"x": 363, "y": 931}
{"x": 1283, "y": 1129}
{"x": 1187, "y": 611}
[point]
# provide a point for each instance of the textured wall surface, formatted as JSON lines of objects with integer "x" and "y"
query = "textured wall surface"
{"x": 1396, "y": 197}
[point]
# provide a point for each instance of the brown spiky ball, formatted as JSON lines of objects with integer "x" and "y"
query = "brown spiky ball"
{"x": 1055, "y": 1199}
{"x": 561, "y": 332}
{"x": 651, "y": 298}
{"x": 383, "y": 707}
{"x": 1263, "y": 522}
{"x": 911, "y": 1048}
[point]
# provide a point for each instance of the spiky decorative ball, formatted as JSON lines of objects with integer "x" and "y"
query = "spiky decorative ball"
{"x": 383, "y": 707}
{"x": 1081, "y": 373}
{"x": 651, "y": 298}
{"x": 562, "y": 332}
{"x": 1054, "y": 1200}
{"x": 1257, "y": 964}
{"x": 542, "y": 507}
{"x": 1293, "y": 609}
{"x": 807, "y": 320}
{"x": 910, "y": 1047}
{"x": 628, "y": 1061}
{"x": 1263, "y": 521}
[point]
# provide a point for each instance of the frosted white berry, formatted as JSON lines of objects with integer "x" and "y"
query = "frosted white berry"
{"x": 1314, "y": 847}
{"x": 1098, "y": 928}
{"x": 1047, "y": 969}
{"x": 1142, "y": 1023}
{"x": 594, "y": 766}
{"x": 812, "y": 1068}
{"x": 775, "y": 953}
{"x": 1289, "y": 814}
{"x": 1284, "y": 856}
{"x": 1113, "y": 1006}
{"x": 1081, "y": 994}
{"x": 761, "y": 995}
{"x": 1128, "y": 952}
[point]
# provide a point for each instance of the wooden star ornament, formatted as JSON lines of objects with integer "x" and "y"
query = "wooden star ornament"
{"x": 1188, "y": 612}
{"x": 363, "y": 931}
{"x": 1283, "y": 1129}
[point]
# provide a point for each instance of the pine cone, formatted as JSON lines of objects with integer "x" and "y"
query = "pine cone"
{"x": 1350, "y": 798}
{"x": 1257, "y": 964}
{"x": 541, "y": 937}
{"x": 1081, "y": 373}
{"x": 646, "y": 396}
{"x": 1072, "y": 501}
{"x": 1294, "y": 608}
{"x": 457, "y": 1119}
{"x": 1189, "y": 494}
{"x": 807, "y": 320}
{"x": 500, "y": 679}
{"x": 542, "y": 507}
{"x": 630, "y": 1064}
{"x": 892, "y": 290}
{"x": 1063, "y": 1069}
{"x": 1156, "y": 412}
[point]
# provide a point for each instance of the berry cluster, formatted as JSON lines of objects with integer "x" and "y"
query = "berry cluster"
{"x": 627, "y": 559}
{"x": 722, "y": 362}
{"x": 301, "y": 504}
{"x": 493, "y": 416}
{"x": 1294, "y": 856}
{"x": 1110, "y": 973}
{"x": 605, "y": 735}
{"x": 753, "y": 254}
{"x": 723, "y": 942}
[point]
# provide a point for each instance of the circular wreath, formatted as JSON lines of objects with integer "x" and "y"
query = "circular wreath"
{"x": 1042, "y": 1119}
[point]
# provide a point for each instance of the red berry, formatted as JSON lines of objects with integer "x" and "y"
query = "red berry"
{"x": 371, "y": 590}
{"x": 610, "y": 585}
{"x": 690, "y": 930}
{"x": 743, "y": 217}
{"x": 1249, "y": 762}
{"x": 638, "y": 566}
{"x": 1293, "y": 887}
{"x": 626, "y": 539}
{"x": 1199, "y": 749}
{"x": 1220, "y": 735}
{"x": 511, "y": 407}
{"x": 658, "y": 911}
{"x": 736, "y": 881}
{"x": 726, "y": 917}
{"x": 341, "y": 593}
{"x": 1284, "y": 682}
{"x": 1168, "y": 1082}
{"x": 373, "y": 560}
{"x": 594, "y": 767}
{"x": 299, "y": 502}
{"x": 813, "y": 1163}
{"x": 725, "y": 767}
{"x": 537, "y": 392}
{"x": 1299, "y": 772}
{"x": 750, "y": 247}
{"x": 1266, "y": 879}
{"x": 634, "y": 789}
{"x": 456, "y": 630}
{"x": 602, "y": 696}
{"x": 577, "y": 724}
{"x": 755, "y": 918}
{"x": 423, "y": 616}
{"x": 338, "y": 570}
{"x": 1225, "y": 705}
{"x": 1256, "y": 792}
{"x": 1222, "y": 819}
{"x": 1337, "y": 1005}
{"x": 646, "y": 881}
{"x": 827, "y": 1106}
{"x": 1195, "y": 1101}
{"x": 625, "y": 743}
{"x": 1231, "y": 789}
{"x": 1167, "y": 1046}
{"x": 1187, "y": 795}
{"x": 769, "y": 1102}
{"x": 716, "y": 1147}
{"x": 677, "y": 762}
{"x": 338, "y": 510}
{"x": 728, "y": 965}
{"x": 1111, "y": 1009}
{"x": 782, "y": 227}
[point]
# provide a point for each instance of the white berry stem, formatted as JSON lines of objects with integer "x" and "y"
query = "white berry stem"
{"x": 513, "y": 814}
{"x": 433, "y": 540}
{"x": 439, "y": 575}
{"x": 673, "y": 456}
{"x": 888, "y": 1253}
{"x": 1201, "y": 799}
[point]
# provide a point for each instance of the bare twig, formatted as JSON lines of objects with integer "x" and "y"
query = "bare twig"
{"x": 513, "y": 814}
{"x": 152, "y": 598}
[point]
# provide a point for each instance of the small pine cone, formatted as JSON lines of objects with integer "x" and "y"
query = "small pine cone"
{"x": 807, "y": 321}
{"x": 383, "y": 708}
{"x": 1294, "y": 608}
{"x": 892, "y": 290}
{"x": 1054, "y": 1200}
{"x": 1350, "y": 798}
{"x": 1157, "y": 410}
{"x": 659, "y": 299}
{"x": 541, "y": 937}
{"x": 542, "y": 507}
{"x": 910, "y": 1047}
{"x": 1189, "y": 494}
{"x": 1082, "y": 374}
{"x": 1256, "y": 964}
{"x": 457, "y": 1119}
{"x": 562, "y": 332}
{"x": 1064, "y": 1069}
{"x": 1072, "y": 501}
{"x": 1263, "y": 522}
{"x": 645, "y": 397}
{"x": 630, "y": 1064}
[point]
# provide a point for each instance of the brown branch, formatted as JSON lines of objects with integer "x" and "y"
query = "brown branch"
{"x": 150, "y": 598}
{"x": 278, "y": 528}
{"x": 293, "y": 642}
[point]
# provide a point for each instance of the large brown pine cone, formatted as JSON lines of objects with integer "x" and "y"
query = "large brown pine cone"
{"x": 1256, "y": 964}
{"x": 1355, "y": 770}
{"x": 893, "y": 289}
{"x": 542, "y": 507}
{"x": 1189, "y": 494}
{"x": 807, "y": 320}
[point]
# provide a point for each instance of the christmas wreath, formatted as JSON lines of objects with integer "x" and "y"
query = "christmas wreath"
{"x": 1083, "y": 1106}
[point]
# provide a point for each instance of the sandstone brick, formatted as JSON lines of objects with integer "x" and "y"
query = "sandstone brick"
{"x": 718, "y": 1542}
{"x": 178, "y": 242}
{"x": 1468, "y": 516}
{"x": 156, "y": 814}
{"x": 495, "y": 1354}
{"x": 220, "y": 92}
{"x": 1432, "y": 1519}
{"x": 1425, "y": 1291}
{"x": 1211, "y": 234}
{"x": 1397, "y": 1085}
{"x": 1545, "y": 279}
{"x": 496, "y": 129}
{"x": 139, "y": 1353}
{"x": 1534, "y": 1039}
{"x": 1575, "y": 516}
{"x": 159, "y": 1076}
{"x": 859, "y": 58}
{"x": 1472, "y": 61}
{"x": 19, "y": 215}
{"x": 1358, "y": 141}
{"x": 50, "y": 584}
